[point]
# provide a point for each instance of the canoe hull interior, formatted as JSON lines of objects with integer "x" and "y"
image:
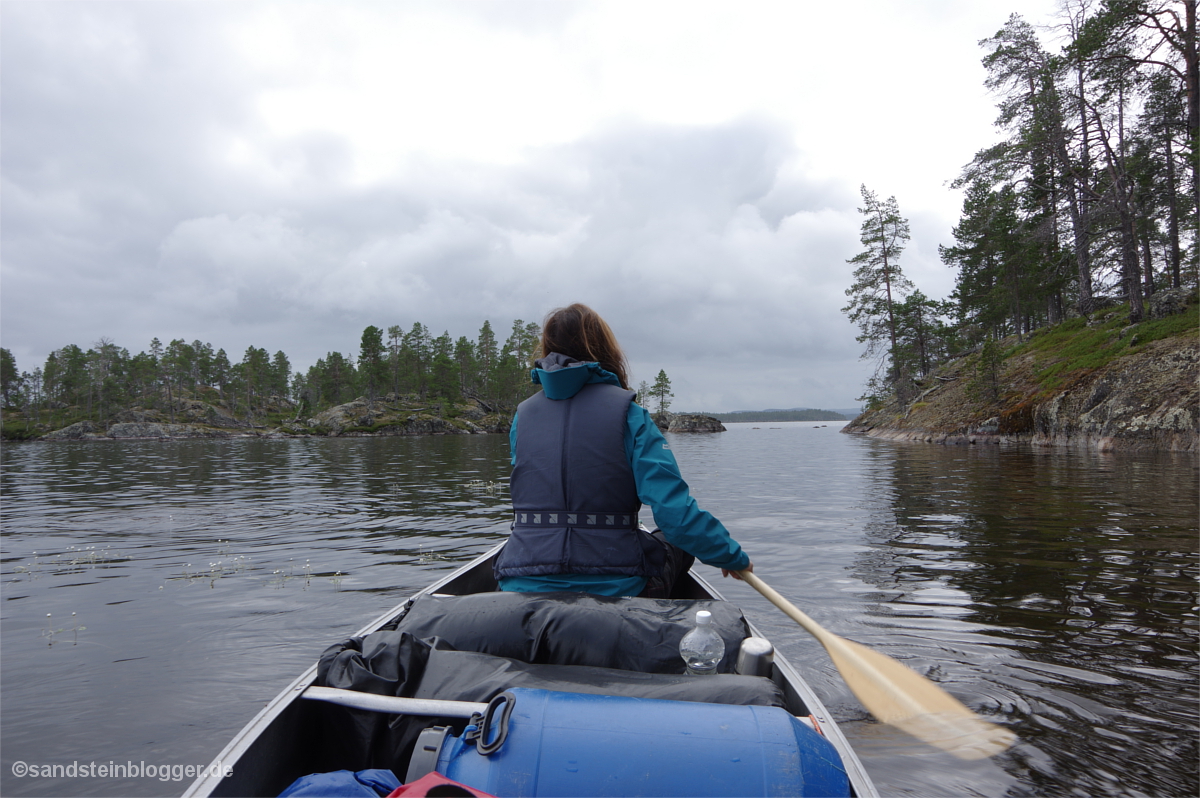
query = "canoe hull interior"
{"x": 290, "y": 737}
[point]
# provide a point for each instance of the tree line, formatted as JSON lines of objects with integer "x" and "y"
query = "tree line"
{"x": 1090, "y": 198}
{"x": 96, "y": 382}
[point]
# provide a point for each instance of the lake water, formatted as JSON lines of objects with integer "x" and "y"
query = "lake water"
{"x": 1052, "y": 591}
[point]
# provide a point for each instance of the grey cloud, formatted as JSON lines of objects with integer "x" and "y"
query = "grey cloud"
{"x": 709, "y": 250}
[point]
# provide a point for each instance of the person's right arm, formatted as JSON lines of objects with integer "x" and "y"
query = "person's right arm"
{"x": 661, "y": 487}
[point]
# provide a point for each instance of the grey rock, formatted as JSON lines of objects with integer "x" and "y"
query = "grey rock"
{"x": 191, "y": 411}
{"x": 336, "y": 419}
{"x": 1169, "y": 302}
{"x": 988, "y": 427}
{"x": 421, "y": 426}
{"x": 687, "y": 422}
{"x": 473, "y": 413}
{"x": 1148, "y": 400}
{"x": 82, "y": 430}
{"x": 141, "y": 429}
{"x": 144, "y": 430}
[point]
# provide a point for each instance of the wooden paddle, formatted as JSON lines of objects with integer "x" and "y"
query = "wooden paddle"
{"x": 898, "y": 695}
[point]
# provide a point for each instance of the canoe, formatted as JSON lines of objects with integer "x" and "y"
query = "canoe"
{"x": 292, "y": 733}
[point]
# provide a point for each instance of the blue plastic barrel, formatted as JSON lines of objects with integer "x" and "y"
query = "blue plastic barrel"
{"x": 562, "y": 744}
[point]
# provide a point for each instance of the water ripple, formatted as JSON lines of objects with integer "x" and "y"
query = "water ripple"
{"x": 1053, "y": 592}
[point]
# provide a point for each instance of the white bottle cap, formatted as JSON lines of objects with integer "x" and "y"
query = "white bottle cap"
{"x": 703, "y": 617}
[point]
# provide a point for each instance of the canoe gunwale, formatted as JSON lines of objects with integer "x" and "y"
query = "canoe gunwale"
{"x": 250, "y": 733}
{"x": 242, "y": 747}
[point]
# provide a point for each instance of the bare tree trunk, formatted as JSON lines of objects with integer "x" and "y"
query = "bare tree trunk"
{"x": 1130, "y": 270}
{"x": 1192, "y": 66}
{"x": 1083, "y": 233}
{"x": 1147, "y": 259}
{"x": 1172, "y": 213}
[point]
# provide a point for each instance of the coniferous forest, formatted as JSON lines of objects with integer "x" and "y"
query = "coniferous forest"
{"x": 1088, "y": 200}
{"x": 76, "y": 384}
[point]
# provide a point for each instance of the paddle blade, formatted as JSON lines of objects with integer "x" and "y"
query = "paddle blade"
{"x": 901, "y": 697}
{"x": 896, "y": 694}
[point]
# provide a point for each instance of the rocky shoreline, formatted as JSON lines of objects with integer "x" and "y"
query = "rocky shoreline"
{"x": 1145, "y": 401}
{"x": 388, "y": 416}
{"x": 385, "y": 417}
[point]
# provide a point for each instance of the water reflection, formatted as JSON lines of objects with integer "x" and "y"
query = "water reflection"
{"x": 1054, "y": 592}
{"x": 1066, "y": 583}
{"x": 208, "y": 574}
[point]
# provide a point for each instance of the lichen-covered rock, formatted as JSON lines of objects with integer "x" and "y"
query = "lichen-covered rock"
{"x": 336, "y": 419}
{"x": 687, "y": 422}
{"x": 193, "y": 411}
{"x": 1170, "y": 301}
{"x": 473, "y": 412}
{"x": 124, "y": 430}
{"x": 145, "y": 430}
{"x": 418, "y": 425}
{"x": 497, "y": 423}
{"x": 1136, "y": 402}
{"x": 390, "y": 415}
{"x": 1149, "y": 400}
{"x": 83, "y": 430}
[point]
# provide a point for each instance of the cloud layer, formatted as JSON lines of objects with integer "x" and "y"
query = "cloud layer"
{"x": 250, "y": 176}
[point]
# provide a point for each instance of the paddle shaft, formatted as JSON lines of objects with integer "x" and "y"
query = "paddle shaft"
{"x": 896, "y": 694}
{"x": 835, "y": 645}
{"x": 789, "y": 609}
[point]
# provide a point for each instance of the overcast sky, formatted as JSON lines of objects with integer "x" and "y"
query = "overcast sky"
{"x": 283, "y": 174}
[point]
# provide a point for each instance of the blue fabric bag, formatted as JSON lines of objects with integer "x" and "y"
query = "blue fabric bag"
{"x": 363, "y": 784}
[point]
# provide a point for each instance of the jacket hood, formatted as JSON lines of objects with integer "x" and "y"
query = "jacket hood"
{"x": 562, "y": 377}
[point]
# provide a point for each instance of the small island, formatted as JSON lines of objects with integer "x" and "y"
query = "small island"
{"x": 687, "y": 422}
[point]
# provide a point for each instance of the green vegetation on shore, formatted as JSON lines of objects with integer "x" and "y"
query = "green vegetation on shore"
{"x": 1095, "y": 380}
{"x": 1088, "y": 201}
{"x": 191, "y": 383}
{"x": 1082, "y": 345}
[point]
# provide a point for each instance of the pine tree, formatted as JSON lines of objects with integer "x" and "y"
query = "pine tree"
{"x": 281, "y": 373}
{"x": 661, "y": 391}
{"x": 443, "y": 371}
{"x": 372, "y": 365}
{"x": 417, "y": 344}
{"x": 643, "y": 394}
{"x": 516, "y": 358}
{"x": 10, "y": 378}
{"x": 395, "y": 345}
{"x": 1000, "y": 281}
{"x": 221, "y": 372}
{"x": 487, "y": 356}
{"x": 879, "y": 285}
{"x": 467, "y": 365}
{"x": 922, "y": 336}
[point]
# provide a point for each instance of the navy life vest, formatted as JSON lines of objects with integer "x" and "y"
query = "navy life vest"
{"x": 575, "y": 503}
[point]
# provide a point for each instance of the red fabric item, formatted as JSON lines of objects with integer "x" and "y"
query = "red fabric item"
{"x": 435, "y": 785}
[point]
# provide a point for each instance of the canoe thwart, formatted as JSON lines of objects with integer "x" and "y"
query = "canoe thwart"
{"x": 394, "y": 704}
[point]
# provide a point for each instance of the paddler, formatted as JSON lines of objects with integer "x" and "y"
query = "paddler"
{"x": 585, "y": 458}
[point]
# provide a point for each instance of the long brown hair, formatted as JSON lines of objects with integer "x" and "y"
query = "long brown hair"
{"x": 578, "y": 331}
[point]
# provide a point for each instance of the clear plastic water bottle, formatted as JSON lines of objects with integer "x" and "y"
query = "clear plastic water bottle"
{"x": 702, "y": 648}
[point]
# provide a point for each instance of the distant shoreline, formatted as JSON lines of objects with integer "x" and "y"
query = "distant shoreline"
{"x": 778, "y": 415}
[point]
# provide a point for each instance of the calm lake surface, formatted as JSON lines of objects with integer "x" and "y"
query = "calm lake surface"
{"x": 1053, "y": 591}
